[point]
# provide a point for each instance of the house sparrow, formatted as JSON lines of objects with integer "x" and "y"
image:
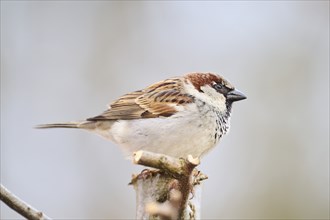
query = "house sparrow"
{"x": 177, "y": 117}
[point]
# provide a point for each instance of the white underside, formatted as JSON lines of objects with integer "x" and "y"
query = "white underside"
{"x": 187, "y": 132}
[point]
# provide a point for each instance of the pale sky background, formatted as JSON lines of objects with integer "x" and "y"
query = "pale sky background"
{"x": 63, "y": 61}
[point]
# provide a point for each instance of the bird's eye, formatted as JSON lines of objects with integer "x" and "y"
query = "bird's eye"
{"x": 218, "y": 87}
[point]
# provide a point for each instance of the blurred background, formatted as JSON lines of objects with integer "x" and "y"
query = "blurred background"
{"x": 66, "y": 60}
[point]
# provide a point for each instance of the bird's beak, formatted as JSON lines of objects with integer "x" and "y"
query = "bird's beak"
{"x": 235, "y": 95}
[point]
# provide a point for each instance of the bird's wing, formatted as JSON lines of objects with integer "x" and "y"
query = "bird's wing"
{"x": 160, "y": 99}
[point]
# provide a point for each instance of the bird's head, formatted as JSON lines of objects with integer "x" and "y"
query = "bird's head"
{"x": 213, "y": 90}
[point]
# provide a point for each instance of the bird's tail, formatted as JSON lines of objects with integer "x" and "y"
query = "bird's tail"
{"x": 84, "y": 124}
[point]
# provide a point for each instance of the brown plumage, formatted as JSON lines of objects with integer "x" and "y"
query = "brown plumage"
{"x": 154, "y": 101}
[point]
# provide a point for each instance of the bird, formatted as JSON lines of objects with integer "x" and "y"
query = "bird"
{"x": 179, "y": 116}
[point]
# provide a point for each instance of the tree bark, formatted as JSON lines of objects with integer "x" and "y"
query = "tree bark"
{"x": 172, "y": 191}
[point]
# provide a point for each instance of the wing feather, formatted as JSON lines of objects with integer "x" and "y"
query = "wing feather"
{"x": 159, "y": 99}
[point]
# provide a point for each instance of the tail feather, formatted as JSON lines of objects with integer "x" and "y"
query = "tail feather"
{"x": 60, "y": 125}
{"x": 89, "y": 125}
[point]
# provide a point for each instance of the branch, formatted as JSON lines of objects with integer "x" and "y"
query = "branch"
{"x": 163, "y": 162}
{"x": 164, "y": 193}
{"x": 20, "y": 206}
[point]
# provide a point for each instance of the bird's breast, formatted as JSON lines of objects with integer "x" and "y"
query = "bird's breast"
{"x": 187, "y": 132}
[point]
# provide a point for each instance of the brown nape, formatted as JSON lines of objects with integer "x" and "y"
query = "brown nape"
{"x": 201, "y": 79}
